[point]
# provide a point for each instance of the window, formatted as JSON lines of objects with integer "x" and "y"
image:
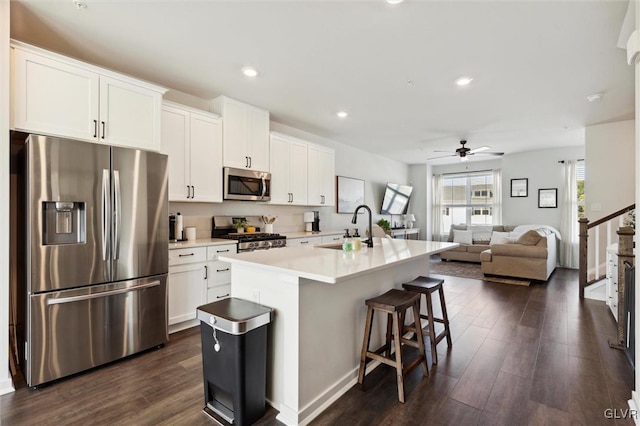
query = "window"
{"x": 580, "y": 181}
{"x": 467, "y": 198}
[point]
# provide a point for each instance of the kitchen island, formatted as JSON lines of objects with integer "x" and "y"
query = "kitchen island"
{"x": 318, "y": 295}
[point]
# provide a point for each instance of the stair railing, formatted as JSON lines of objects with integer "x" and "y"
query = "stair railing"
{"x": 592, "y": 246}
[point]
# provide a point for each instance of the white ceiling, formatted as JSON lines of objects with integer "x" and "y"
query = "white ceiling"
{"x": 391, "y": 67}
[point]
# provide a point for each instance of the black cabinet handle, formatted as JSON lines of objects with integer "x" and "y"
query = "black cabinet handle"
{"x": 304, "y": 242}
{"x": 224, "y": 295}
{"x": 193, "y": 192}
{"x": 206, "y": 272}
{"x": 246, "y": 162}
{"x": 103, "y": 127}
{"x": 222, "y": 270}
{"x": 188, "y": 192}
{"x": 250, "y": 162}
{"x": 222, "y": 251}
{"x": 95, "y": 128}
{"x": 186, "y": 255}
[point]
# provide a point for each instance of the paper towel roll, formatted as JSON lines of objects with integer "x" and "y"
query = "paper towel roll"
{"x": 179, "y": 227}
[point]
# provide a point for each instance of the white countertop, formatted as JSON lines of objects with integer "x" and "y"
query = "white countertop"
{"x": 202, "y": 242}
{"x": 332, "y": 266}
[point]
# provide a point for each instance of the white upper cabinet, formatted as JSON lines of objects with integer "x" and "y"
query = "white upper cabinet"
{"x": 193, "y": 141}
{"x": 321, "y": 176}
{"x": 245, "y": 134}
{"x": 288, "y": 170}
{"x": 59, "y": 96}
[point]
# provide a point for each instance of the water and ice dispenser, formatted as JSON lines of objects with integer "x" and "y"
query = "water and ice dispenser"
{"x": 63, "y": 222}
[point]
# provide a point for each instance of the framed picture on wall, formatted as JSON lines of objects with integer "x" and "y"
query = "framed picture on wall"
{"x": 350, "y": 194}
{"x": 548, "y": 198}
{"x": 520, "y": 187}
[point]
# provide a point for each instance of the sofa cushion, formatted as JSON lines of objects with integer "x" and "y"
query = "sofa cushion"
{"x": 519, "y": 250}
{"x": 462, "y": 237}
{"x": 498, "y": 238}
{"x": 529, "y": 238}
{"x": 485, "y": 256}
{"x": 477, "y": 248}
{"x": 461, "y": 227}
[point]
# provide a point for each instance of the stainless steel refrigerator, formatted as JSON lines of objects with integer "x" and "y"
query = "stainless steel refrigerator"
{"x": 97, "y": 255}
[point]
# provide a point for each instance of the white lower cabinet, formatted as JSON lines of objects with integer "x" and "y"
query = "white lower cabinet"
{"x": 304, "y": 241}
{"x": 218, "y": 273}
{"x": 187, "y": 286}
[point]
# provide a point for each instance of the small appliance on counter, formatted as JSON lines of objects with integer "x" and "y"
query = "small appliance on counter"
{"x": 176, "y": 228}
{"x": 315, "y": 226}
{"x": 308, "y": 218}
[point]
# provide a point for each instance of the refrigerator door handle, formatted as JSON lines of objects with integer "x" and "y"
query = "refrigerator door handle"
{"x": 105, "y": 215}
{"x": 71, "y": 299}
{"x": 117, "y": 212}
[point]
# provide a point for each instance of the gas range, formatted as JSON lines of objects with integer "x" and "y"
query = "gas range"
{"x": 222, "y": 227}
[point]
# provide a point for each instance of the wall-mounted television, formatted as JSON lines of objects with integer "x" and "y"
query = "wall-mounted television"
{"x": 396, "y": 199}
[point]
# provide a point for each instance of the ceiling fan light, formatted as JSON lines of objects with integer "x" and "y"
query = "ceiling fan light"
{"x": 464, "y": 81}
{"x": 465, "y": 158}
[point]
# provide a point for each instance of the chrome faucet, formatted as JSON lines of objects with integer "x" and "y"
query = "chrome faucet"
{"x": 355, "y": 219}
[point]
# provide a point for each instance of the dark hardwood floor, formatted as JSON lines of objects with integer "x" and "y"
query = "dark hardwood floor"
{"x": 521, "y": 355}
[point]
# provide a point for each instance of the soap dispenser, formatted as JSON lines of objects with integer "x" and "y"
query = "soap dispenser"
{"x": 357, "y": 241}
{"x": 347, "y": 242}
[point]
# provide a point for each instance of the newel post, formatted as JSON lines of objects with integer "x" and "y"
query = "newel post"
{"x": 582, "y": 252}
{"x": 625, "y": 254}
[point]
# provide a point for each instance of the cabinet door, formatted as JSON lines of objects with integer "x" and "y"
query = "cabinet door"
{"x": 234, "y": 139}
{"x": 175, "y": 143}
{"x": 280, "y": 192}
{"x": 187, "y": 291}
{"x": 321, "y": 176}
{"x": 298, "y": 172}
{"x": 129, "y": 115}
{"x": 206, "y": 158}
{"x": 51, "y": 97}
{"x": 257, "y": 138}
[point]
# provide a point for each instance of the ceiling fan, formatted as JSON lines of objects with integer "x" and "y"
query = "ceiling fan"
{"x": 463, "y": 152}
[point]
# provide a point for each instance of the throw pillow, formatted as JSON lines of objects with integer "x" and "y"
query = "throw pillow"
{"x": 462, "y": 237}
{"x": 529, "y": 238}
{"x": 499, "y": 238}
{"x": 454, "y": 227}
{"x": 481, "y": 233}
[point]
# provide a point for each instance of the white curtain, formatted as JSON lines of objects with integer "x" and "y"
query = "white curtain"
{"x": 569, "y": 222}
{"x": 497, "y": 197}
{"x": 436, "y": 212}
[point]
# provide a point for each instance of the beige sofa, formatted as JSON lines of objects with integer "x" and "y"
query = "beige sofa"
{"x": 481, "y": 236}
{"x": 534, "y": 261}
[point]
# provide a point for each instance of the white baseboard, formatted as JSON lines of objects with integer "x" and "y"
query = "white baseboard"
{"x": 634, "y": 405}
{"x": 596, "y": 291}
{"x": 6, "y": 386}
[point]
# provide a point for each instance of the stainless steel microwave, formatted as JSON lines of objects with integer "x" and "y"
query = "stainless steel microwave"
{"x": 249, "y": 185}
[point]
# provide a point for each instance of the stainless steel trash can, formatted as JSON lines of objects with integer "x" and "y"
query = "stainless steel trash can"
{"x": 234, "y": 359}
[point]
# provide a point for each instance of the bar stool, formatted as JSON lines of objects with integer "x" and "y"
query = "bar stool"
{"x": 394, "y": 303}
{"x": 426, "y": 286}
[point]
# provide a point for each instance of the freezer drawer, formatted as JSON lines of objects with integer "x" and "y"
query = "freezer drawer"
{"x": 74, "y": 330}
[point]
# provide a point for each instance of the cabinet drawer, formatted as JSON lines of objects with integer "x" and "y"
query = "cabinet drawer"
{"x": 331, "y": 238}
{"x": 311, "y": 241}
{"x": 218, "y": 293}
{"x": 214, "y": 251}
{"x": 219, "y": 273}
{"x": 187, "y": 255}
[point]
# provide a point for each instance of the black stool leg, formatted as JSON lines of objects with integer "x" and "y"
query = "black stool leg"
{"x": 445, "y": 317}
{"x": 365, "y": 345}
{"x": 432, "y": 328}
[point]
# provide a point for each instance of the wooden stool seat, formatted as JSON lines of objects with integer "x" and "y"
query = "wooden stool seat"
{"x": 394, "y": 303}
{"x": 427, "y": 286}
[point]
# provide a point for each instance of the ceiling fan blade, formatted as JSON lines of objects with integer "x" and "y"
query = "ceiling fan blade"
{"x": 479, "y": 149}
{"x": 443, "y": 156}
{"x": 450, "y": 152}
{"x": 497, "y": 154}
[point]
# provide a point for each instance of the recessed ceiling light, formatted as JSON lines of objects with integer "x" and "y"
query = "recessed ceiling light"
{"x": 342, "y": 114}
{"x": 80, "y": 4}
{"x": 595, "y": 97}
{"x": 250, "y": 71}
{"x": 394, "y": 1}
{"x": 463, "y": 81}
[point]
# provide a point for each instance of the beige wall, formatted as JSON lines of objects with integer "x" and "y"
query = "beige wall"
{"x": 609, "y": 183}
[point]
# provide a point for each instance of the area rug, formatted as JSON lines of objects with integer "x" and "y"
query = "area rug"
{"x": 469, "y": 270}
